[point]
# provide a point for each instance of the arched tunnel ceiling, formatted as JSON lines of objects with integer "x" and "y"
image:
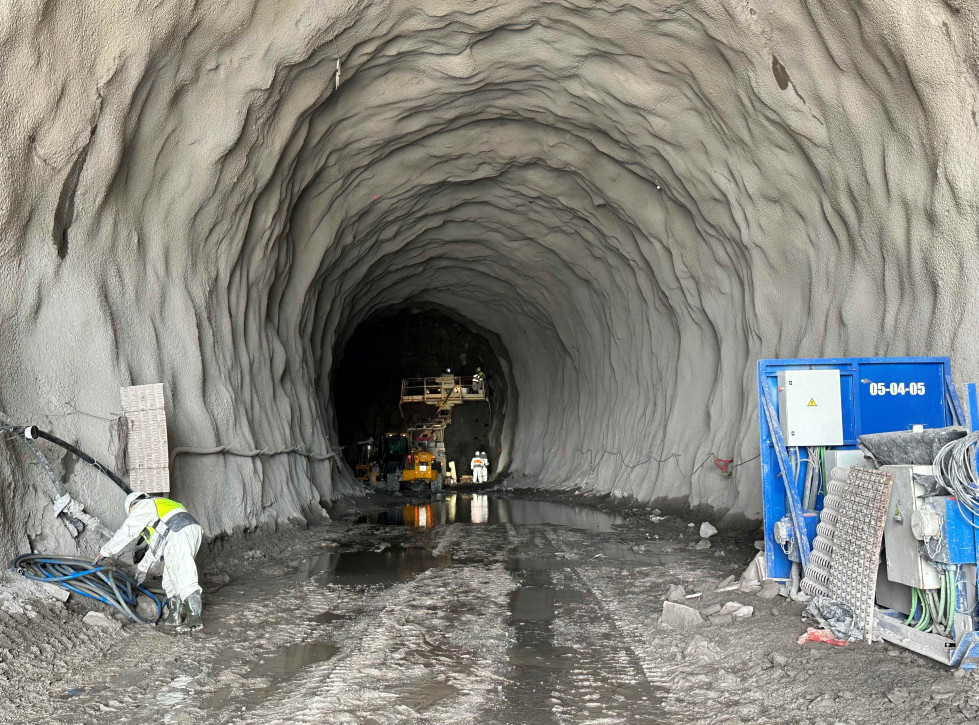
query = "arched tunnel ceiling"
{"x": 637, "y": 200}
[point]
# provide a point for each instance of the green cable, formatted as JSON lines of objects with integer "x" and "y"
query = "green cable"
{"x": 925, "y": 622}
{"x": 914, "y": 607}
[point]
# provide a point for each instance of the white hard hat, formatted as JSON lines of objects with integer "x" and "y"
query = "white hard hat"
{"x": 133, "y": 498}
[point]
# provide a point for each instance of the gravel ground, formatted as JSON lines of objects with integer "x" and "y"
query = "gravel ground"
{"x": 510, "y": 621}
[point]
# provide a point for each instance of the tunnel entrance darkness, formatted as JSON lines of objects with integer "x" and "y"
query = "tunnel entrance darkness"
{"x": 383, "y": 351}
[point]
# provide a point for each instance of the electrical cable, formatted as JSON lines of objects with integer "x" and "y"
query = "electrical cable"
{"x": 955, "y": 470}
{"x": 32, "y": 432}
{"x": 100, "y": 582}
{"x": 262, "y": 452}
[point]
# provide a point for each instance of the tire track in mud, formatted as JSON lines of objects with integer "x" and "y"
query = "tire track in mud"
{"x": 432, "y": 649}
{"x": 626, "y": 601}
{"x": 569, "y": 662}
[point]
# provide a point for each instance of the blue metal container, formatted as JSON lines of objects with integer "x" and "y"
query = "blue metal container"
{"x": 878, "y": 395}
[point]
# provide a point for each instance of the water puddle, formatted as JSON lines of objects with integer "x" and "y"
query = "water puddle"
{"x": 370, "y": 567}
{"x": 329, "y": 618}
{"x": 292, "y": 659}
{"x": 491, "y": 509}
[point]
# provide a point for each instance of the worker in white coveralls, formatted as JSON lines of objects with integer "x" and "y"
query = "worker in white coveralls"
{"x": 173, "y": 537}
{"x": 485, "y": 460}
{"x": 478, "y": 465}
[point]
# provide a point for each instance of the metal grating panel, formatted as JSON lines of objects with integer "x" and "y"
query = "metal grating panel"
{"x": 817, "y": 578}
{"x": 149, "y": 470}
{"x": 856, "y": 544}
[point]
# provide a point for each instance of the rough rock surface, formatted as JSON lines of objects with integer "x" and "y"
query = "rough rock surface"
{"x": 638, "y": 201}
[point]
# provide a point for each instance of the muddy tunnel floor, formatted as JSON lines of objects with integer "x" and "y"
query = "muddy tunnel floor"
{"x": 476, "y": 608}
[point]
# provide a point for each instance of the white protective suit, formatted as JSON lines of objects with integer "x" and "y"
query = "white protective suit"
{"x": 478, "y": 466}
{"x": 176, "y": 549}
{"x": 485, "y": 471}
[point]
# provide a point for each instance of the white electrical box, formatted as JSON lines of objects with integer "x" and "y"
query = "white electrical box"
{"x": 810, "y": 409}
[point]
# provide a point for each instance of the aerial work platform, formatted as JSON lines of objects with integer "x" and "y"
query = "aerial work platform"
{"x": 443, "y": 391}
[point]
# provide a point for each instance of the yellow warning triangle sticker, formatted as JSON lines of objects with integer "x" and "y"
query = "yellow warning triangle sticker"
{"x": 812, "y": 403}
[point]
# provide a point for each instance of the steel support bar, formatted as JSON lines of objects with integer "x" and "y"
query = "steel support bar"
{"x": 953, "y": 400}
{"x": 782, "y": 454}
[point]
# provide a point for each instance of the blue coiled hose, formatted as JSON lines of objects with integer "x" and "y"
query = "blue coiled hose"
{"x": 96, "y": 581}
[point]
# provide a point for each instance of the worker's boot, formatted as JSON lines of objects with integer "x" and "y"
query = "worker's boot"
{"x": 192, "y": 614}
{"x": 172, "y": 618}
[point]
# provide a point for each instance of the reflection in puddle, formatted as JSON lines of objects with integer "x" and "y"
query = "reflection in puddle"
{"x": 329, "y": 617}
{"x": 370, "y": 567}
{"x": 477, "y": 508}
{"x": 292, "y": 659}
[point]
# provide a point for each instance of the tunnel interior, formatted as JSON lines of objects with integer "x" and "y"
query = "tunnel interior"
{"x": 630, "y": 204}
{"x": 410, "y": 343}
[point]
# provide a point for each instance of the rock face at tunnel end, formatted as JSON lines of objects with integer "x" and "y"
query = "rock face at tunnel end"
{"x": 637, "y": 201}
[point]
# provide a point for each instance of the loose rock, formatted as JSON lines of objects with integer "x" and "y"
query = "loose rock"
{"x": 676, "y": 593}
{"x": 769, "y": 589}
{"x": 707, "y": 530}
{"x": 731, "y": 607}
{"x": 97, "y": 619}
{"x": 680, "y": 616}
{"x": 743, "y": 613}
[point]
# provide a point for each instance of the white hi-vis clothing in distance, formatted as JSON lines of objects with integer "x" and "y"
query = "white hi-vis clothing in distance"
{"x": 479, "y": 465}
{"x": 176, "y": 547}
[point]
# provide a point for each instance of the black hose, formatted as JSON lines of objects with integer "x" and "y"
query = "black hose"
{"x": 96, "y": 581}
{"x": 102, "y": 468}
{"x": 32, "y": 432}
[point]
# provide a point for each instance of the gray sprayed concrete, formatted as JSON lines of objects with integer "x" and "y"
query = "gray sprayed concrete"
{"x": 637, "y": 201}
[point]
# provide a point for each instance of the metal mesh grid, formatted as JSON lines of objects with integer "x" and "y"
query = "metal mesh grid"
{"x": 817, "y": 575}
{"x": 856, "y": 543}
{"x": 149, "y": 470}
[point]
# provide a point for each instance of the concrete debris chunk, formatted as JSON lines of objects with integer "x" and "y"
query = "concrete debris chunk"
{"x": 97, "y": 619}
{"x": 54, "y": 592}
{"x": 702, "y": 544}
{"x": 731, "y": 607}
{"x": 676, "y": 593}
{"x": 680, "y": 616}
{"x": 712, "y": 609}
{"x": 743, "y": 613}
{"x": 769, "y": 589}
{"x": 726, "y": 583}
{"x": 707, "y": 530}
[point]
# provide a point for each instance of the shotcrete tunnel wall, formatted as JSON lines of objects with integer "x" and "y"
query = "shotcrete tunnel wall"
{"x": 639, "y": 200}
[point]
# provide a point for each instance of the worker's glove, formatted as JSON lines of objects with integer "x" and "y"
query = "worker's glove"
{"x": 140, "y": 578}
{"x": 97, "y": 560}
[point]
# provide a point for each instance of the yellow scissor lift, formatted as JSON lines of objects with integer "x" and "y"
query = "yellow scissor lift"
{"x": 428, "y": 440}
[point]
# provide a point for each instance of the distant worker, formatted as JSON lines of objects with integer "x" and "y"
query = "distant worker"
{"x": 173, "y": 537}
{"x": 486, "y": 465}
{"x": 479, "y": 381}
{"x": 478, "y": 466}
